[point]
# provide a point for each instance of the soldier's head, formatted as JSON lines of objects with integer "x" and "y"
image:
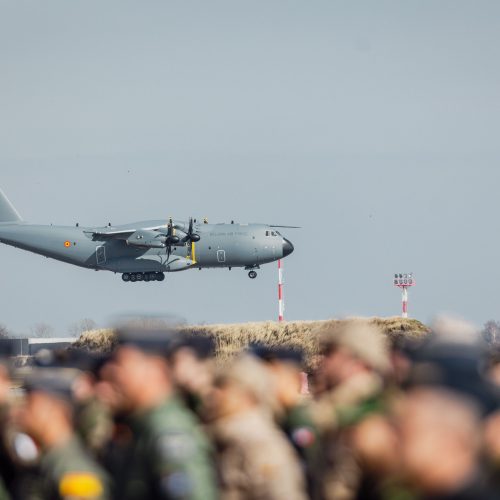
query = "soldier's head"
{"x": 192, "y": 361}
{"x": 84, "y": 362}
{"x": 352, "y": 348}
{"x": 137, "y": 374}
{"x": 241, "y": 386}
{"x": 47, "y": 413}
{"x": 455, "y": 357}
{"x": 285, "y": 368}
{"x": 439, "y": 439}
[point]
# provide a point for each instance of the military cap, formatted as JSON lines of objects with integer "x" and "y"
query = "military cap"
{"x": 58, "y": 382}
{"x": 149, "y": 340}
{"x": 362, "y": 339}
{"x": 283, "y": 354}
{"x": 201, "y": 344}
{"x": 248, "y": 372}
{"x": 78, "y": 359}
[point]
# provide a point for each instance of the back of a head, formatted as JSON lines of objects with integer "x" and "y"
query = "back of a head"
{"x": 453, "y": 358}
{"x": 249, "y": 375}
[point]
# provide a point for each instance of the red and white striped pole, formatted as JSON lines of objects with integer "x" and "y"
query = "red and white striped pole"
{"x": 405, "y": 302}
{"x": 404, "y": 281}
{"x": 281, "y": 306}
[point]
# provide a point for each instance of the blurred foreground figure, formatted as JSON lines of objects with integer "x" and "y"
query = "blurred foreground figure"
{"x": 354, "y": 362}
{"x": 255, "y": 460}
{"x": 450, "y": 403}
{"x": 454, "y": 356}
{"x": 92, "y": 418}
{"x": 193, "y": 369}
{"x": 440, "y": 446}
{"x": 7, "y": 473}
{"x": 66, "y": 470}
{"x": 293, "y": 414}
{"x": 159, "y": 451}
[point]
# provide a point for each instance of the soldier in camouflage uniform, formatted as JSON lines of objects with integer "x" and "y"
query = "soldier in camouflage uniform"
{"x": 293, "y": 411}
{"x": 66, "y": 470}
{"x": 354, "y": 361}
{"x": 160, "y": 451}
{"x": 254, "y": 458}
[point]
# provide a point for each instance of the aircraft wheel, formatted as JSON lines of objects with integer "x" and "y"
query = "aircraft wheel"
{"x": 133, "y": 278}
{"x": 160, "y": 276}
{"x": 147, "y": 276}
{"x": 139, "y": 276}
{"x": 252, "y": 275}
{"x": 126, "y": 277}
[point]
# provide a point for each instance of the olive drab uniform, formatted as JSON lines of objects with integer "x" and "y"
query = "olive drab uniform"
{"x": 167, "y": 457}
{"x": 93, "y": 423}
{"x": 255, "y": 459}
{"x": 67, "y": 473}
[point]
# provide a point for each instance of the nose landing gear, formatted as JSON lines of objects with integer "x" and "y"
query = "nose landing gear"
{"x": 133, "y": 277}
{"x": 252, "y": 275}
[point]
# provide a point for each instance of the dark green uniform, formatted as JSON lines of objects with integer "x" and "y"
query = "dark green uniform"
{"x": 67, "y": 472}
{"x": 168, "y": 457}
{"x": 298, "y": 425}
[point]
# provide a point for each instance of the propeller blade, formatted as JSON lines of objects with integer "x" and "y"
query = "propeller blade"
{"x": 190, "y": 235}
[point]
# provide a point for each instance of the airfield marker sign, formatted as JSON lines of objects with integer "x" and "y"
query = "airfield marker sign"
{"x": 403, "y": 281}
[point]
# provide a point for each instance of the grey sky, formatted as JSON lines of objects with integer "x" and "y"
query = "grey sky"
{"x": 374, "y": 125}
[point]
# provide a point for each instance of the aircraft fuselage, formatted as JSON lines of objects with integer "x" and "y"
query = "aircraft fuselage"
{"x": 219, "y": 245}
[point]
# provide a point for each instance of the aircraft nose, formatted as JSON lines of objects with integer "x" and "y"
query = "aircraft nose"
{"x": 287, "y": 247}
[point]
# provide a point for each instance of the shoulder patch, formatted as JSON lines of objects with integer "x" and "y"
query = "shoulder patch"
{"x": 303, "y": 437}
{"x": 80, "y": 485}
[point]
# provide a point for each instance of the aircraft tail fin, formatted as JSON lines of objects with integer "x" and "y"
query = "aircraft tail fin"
{"x": 7, "y": 211}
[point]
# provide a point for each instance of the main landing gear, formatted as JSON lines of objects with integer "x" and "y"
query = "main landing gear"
{"x": 252, "y": 273}
{"x": 143, "y": 277}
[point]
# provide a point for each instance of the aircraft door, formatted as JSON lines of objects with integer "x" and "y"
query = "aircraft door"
{"x": 221, "y": 256}
{"x": 100, "y": 253}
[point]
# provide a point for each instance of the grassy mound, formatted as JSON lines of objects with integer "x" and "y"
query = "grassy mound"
{"x": 230, "y": 339}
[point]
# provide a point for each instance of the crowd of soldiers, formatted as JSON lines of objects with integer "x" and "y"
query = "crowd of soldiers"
{"x": 160, "y": 418}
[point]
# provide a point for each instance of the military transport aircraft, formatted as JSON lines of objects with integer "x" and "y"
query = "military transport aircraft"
{"x": 144, "y": 251}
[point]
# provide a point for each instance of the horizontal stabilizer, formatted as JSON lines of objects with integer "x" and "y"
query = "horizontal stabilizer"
{"x": 7, "y": 211}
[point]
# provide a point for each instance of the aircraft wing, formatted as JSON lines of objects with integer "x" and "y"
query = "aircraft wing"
{"x": 123, "y": 232}
{"x": 144, "y": 238}
{"x": 112, "y": 234}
